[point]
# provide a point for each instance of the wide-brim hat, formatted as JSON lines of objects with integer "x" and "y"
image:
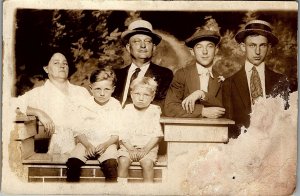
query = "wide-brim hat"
{"x": 203, "y": 34}
{"x": 259, "y": 27}
{"x": 140, "y": 27}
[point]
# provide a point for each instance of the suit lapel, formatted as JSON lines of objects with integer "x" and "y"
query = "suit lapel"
{"x": 124, "y": 77}
{"x": 193, "y": 80}
{"x": 213, "y": 85}
{"x": 269, "y": 80}
{"x": 153, "y": 72}
{"x": 149, "y": 72}
{"x": 241, "y": 84}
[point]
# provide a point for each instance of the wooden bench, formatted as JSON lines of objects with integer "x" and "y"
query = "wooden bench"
{"x": 43, "y": 167}
{"x": 180, "y": 136}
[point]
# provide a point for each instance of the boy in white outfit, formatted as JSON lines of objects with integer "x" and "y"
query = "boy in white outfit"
{"x": 100, "y": 136}
{"x": 142, "y": 130}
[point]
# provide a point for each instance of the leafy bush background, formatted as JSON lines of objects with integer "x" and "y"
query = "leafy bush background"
{"x": 91, "y": 38}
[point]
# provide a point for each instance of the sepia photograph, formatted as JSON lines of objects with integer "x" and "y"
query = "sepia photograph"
{"x": 149, "y": 98}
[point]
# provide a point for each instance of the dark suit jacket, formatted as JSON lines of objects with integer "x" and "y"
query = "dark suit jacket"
{"x": 236, "y": 96}
{"x": 162, "y": 75}
{"x": 185, "y": 82}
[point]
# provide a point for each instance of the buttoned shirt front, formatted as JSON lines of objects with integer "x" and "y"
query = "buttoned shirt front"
{"x": 204, "y": 74}
{"x": 100, "y": 124}
{"x": 131, "y": 70}
{"x": 261, "y": 72}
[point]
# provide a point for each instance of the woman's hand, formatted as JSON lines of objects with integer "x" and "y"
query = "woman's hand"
{"x": 47, "y": 122}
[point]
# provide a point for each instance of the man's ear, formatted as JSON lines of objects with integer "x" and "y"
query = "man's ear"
{"x": 243, "y": 46}
{"x": 46, "y": 68}
{"x": 128, "y": 47}
{"x": 269, "y": 46}
{"x": 90, "y": 86}
{"x": 216, "y": 50}
{"x": 192, "y": 51}
{"x": 153, "y": 48}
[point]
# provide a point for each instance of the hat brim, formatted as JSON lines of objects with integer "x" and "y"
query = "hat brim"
{"x": 127, "y": 34}
{"x": 240, "y": 36}
{"x": 192, "y": 42}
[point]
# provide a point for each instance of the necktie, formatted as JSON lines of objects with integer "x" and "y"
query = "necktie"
{"x": 135, "y": 74}
{"x": 204, "y": 79}
{"x": 255, "y": 85}
{"x": 126, "y": 94}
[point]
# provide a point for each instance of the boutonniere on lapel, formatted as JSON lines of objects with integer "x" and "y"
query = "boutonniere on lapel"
{"x": 221, "y": 79}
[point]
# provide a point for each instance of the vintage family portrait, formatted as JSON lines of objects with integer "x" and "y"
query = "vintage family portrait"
{"x": 149, "y": 98}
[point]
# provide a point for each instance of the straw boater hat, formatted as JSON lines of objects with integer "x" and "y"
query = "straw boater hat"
{"x": 210, "y": 32}
{"x": 140, "y": 27}
{"x": 257, "y": 27}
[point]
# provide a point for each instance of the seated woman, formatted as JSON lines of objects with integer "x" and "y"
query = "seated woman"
{"x": 57, "y": 104}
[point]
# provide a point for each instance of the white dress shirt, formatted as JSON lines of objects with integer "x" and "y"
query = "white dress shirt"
{"x": 131, "y": 70}
{"x": 261, "y": 72}
{"x": 204, "y": 74}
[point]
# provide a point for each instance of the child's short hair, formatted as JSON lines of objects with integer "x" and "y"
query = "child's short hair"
{"x": 105, "y": 73}
{"x": 146, "y": 82}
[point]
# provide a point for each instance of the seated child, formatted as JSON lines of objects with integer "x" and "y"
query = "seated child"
{"x": 98, "y": 141}
{"x": 139, "y": 142}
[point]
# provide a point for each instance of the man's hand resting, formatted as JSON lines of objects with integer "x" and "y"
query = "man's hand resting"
{"x": 188, "y": 104}
{"x": 213, "y": 112}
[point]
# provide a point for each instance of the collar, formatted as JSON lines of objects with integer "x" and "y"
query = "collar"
{"x": 204, "y": 70}
{"x": 49, "y": 83}
{"x": 143, "y": 68}
{"x": 248, "y": 66}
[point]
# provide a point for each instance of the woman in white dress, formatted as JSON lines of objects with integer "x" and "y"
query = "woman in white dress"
{"x": 58, "y": 104}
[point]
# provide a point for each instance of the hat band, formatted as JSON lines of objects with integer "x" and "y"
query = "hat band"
{"x": 258, "y": 26}
{"x": 142, "y": 29}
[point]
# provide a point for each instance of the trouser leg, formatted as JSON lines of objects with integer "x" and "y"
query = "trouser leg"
{"x": 73, "y": 169}
{"x": 110, "y": 170}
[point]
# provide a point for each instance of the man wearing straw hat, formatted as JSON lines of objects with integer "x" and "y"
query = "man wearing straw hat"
{"x": 141, "y": 42}
{"x": 196, "y": 89}
{"x": 255, "y": 80}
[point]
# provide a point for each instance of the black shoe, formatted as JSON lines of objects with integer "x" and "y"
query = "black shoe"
{"x": 74, "y": 169}
{"x": 110, "y": 170}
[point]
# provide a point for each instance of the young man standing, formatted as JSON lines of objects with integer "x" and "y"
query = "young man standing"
{"x": 195, "y": 89}
{"x": 255, "y": 80}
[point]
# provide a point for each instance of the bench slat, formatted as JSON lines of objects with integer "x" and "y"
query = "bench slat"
{"x": 61, "y": 159}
